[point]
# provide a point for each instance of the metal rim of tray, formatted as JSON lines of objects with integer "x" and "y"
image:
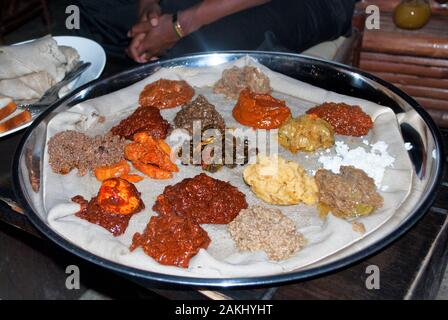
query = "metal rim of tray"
{"x": 141, "y": 275}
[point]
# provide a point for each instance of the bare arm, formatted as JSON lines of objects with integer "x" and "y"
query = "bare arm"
{"x": 153, "y": 34}
{"x": 209, "y": 11}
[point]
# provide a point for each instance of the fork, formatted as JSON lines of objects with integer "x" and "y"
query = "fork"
{"x": 52, "y": 95}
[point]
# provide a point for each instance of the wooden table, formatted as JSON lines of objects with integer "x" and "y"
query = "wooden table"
{"x": 414, "y": 60}
{"x": 411, "y": 268}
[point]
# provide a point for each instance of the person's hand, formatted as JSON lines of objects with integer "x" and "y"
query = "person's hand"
{"x": 149, "y": 11}
{"x": 149, "y": 41}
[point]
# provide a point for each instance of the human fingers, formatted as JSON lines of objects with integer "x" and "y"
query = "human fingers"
{"x": 141, "y": 27}
{"x": 133, "y": 48}
{"x": 153, "y": 18}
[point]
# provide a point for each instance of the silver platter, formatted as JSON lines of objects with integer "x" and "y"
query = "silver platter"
{"x": 416, "y": 125}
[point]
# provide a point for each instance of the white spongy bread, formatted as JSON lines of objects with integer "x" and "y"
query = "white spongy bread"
{"x": 40, "y": 55}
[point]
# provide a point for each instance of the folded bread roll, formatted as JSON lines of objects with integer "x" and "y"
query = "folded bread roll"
{"x": 40, "y": 55}
{"x": 28, "y": 87}
{"x": 71, "y": 56}
{"x": 28, "y": 70}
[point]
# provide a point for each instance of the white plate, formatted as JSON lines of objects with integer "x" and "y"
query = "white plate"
{"x": 89, "y": 51}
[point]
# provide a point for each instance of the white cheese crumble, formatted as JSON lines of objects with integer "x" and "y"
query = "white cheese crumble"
{"x": 408, "y": 146}
{"x": 373, "y": 163}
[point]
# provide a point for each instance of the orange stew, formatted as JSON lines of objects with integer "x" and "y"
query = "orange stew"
{"x": 346, "y": 119}
{"x": 165, "y": 93}
{"x": 260, "y": 111}
{"x": 119, "y": 196}
{"x": 113, "y": 207}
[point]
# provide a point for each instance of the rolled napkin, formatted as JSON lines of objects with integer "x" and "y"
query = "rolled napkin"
{"x": 28, "y": 70}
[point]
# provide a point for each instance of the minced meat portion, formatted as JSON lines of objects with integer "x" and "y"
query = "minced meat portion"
{"x": 203, "y": 199}
{"x": 269, "y": 230}
{"x": 234, "y": 80}
{"x": 171, "y": 240}
{"x": 199, "y": 110}
{"x": 72, "y": 149}
{"x": 350, "y": 193}
{"x": 144, "y": 119}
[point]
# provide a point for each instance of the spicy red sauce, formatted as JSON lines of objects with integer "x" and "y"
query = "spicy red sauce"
{"x": 171, "y": 240}
{"x": 260, "y": 111}
{"x": 165, "y": 93}
{"x": 203, "y": 199}
{"x": 345, "y": 119}
{"x": 94, "y": 213}
{"x": 113, "y": 207}
{"x": 144, "y": 119}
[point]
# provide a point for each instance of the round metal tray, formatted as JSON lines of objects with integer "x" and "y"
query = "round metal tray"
{"x": 416, "y": 125}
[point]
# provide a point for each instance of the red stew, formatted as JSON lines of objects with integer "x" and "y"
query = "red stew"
{"x": 346, "y": 119}
{"x": 144, "y": 119}
{"x": 94, "y": 213}
{"x": 113, "y": 207}
{"x": 203, "y": 199}
{"x": 171, "y": 240}
{"x": 165, "y": 93}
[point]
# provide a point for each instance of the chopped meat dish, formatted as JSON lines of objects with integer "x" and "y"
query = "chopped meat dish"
{"x": 234, "y": 80}
{"x": 70, "y": 149}
{"x": 113, "y": 207}
{"x": 144, "y": 119}
{"x": 306, "y": 133}
{"x": 151, "y": 156}
{"x": 171, "y": 240}
{"x": 199, "y": 110}
{"x": 351, "y": 193}
{"x": 259, "y": 228}
{"x": 115, "y": 170}
{"x": 346, "y": 119}
{"x": 203, "y": 199}
{"x": 213, "y": 152}
{"x": 165, "y": 93}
